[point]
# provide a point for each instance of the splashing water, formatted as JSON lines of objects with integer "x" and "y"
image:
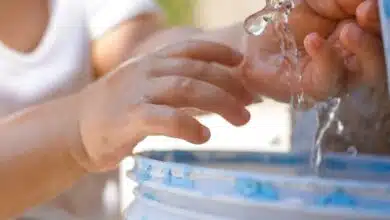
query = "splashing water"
{"x": 352, "y": 150}
{"x": 276, "y": 13}
{"x": 334, "y": 105}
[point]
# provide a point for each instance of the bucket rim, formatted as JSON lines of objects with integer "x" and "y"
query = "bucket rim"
{"x": 168, "y": 169}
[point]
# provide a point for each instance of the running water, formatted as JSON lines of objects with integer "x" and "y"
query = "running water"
{"x": 276, "y": 13}
{"x": 333, "y": 105}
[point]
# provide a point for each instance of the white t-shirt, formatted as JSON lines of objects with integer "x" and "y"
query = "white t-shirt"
{"x": 60, "y": 65}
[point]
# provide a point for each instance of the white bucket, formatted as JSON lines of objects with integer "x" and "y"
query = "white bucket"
{"x": 349, "y": 187}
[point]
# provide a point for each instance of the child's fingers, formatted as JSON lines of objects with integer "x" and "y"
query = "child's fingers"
{"x": 325, "y": 75}
{"x": 349, "y": 6}
{"x": 368, "y": 50}
{"x": 367, "y": 15}
{"x": 334, "y": 9}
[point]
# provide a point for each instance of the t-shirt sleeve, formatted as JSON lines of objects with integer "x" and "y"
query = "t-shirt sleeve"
{"x": 103, "y": 15}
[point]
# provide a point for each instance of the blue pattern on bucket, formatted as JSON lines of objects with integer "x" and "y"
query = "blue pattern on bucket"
{"x": 334, "y": 164}
{"x": 386, "y": 5}
{"x": 184, "y": 156}
{"x": 297, "y": 160}
{"x": 183, "y": 181}
{"x": 150, "y": 196}
{"x": 379, "y": 167}
{"x": 367, "y": 195}
{"x": 339, "y": 198}
{"x": 341, "y": 164}
{"x": 144, "y": 174}
{"x": 252, "y": 189}
{"x": 215, "y": 156}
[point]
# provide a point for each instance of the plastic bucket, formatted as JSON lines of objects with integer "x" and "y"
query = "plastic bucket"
{"x": 184, "y": 185}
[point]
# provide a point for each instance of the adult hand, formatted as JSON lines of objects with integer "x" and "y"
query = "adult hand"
{"x": 145, "y": 96}
{"x": 367, "y": 15}
{"x": 365, "y": 11}
{"x": 335, "y": 9}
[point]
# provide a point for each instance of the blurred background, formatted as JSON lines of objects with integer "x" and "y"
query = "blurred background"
{"x": 270, "y": 126}
{"x": 179, "y": 12}
{"x": 208, "y": 13}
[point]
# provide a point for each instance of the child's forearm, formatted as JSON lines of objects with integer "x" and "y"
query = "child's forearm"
{"x": 36, "y": 162}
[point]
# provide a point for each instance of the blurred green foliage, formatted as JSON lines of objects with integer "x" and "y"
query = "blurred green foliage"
{"x": 178, "y": 12}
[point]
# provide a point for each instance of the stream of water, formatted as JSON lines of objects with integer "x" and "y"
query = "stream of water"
{"x": 276, "y": 13}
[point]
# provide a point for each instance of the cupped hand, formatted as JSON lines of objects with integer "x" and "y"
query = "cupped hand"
{"x": 323, "y": 63}
{"x": 146, "y": 97}
{"x": 358, "y": 43}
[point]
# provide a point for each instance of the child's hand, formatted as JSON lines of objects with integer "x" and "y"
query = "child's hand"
{"x": 367, "y": 56}
{"x": 361, "y": 53}
{"x": 358, "y": 43}
{"x": 365, "y": 112}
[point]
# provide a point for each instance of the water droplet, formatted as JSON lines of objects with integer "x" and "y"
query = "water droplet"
{"x": 258, "y": 22}
{"x": 340, "y": 127}
{"x": 352, "y": 150}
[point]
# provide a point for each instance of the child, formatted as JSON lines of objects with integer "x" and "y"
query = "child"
{"x": 53, "y": 48}
{"x": 46, "y": 54}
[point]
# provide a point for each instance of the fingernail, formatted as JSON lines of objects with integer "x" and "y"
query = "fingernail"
{"x": 237, "y": 57}
{"x": 313, "y": 43}
{"x": 315, "y": 40}
{"x": 206, "y": 133}
{"x": 353, "y": 33}
{"x": 245, "y": 114}
{"x": 369, "y": 10}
